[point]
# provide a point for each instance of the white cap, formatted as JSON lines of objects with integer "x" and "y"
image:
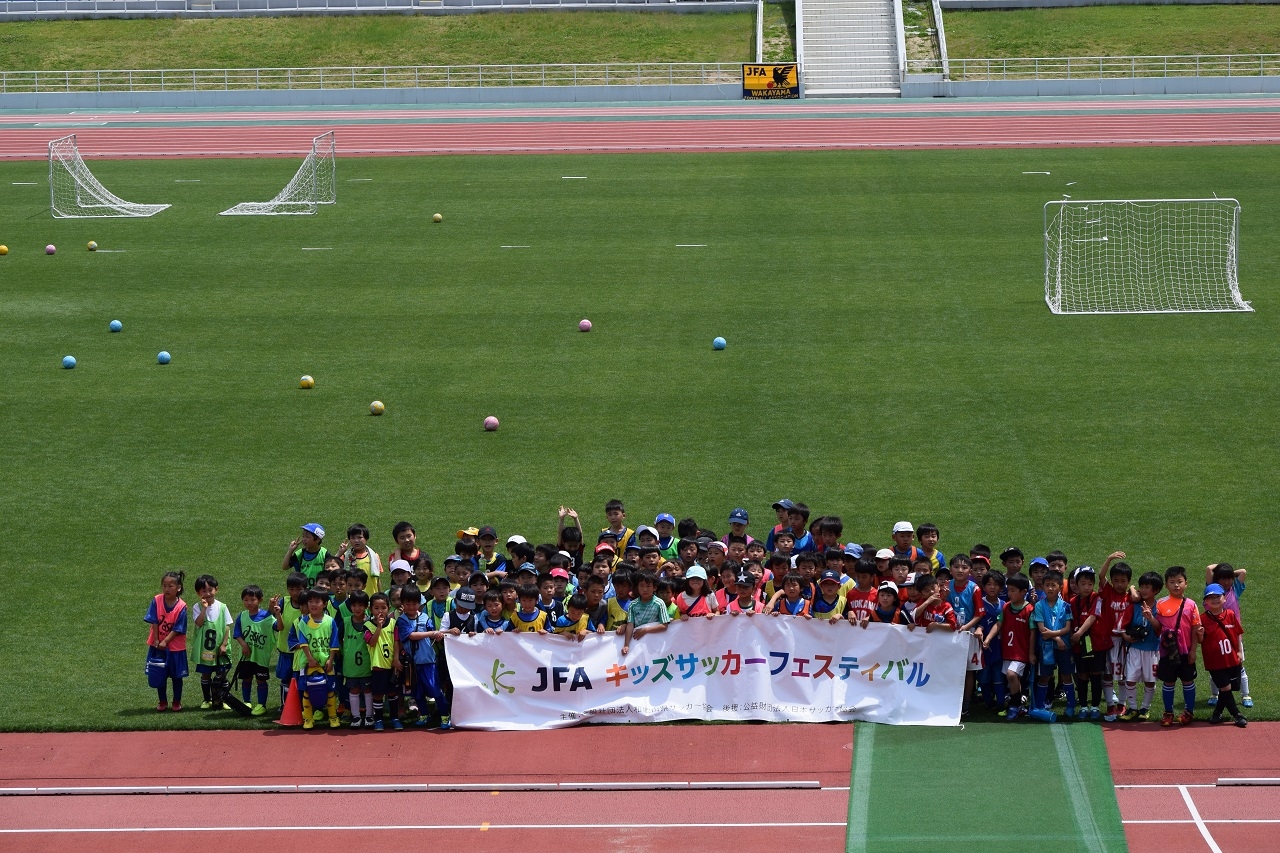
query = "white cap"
{"x": 903, "y": 527}
{"x": 889, "y": 585}
{"x": 884, "y": 554}
{"x": 401, "y": 565}
{"x": 516, "y": 538}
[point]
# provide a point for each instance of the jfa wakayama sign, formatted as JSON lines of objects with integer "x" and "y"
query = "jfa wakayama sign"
{"x": 726, "y": 668}
{"x": 770, "y": 81}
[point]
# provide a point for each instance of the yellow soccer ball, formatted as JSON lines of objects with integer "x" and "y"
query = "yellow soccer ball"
{"x": 376, "y": 407}
{"x": 437, "y": 218}
{"x": 4, "y": 250}
{"x": 306, "y": 382}
{"x": 93, "y": 246}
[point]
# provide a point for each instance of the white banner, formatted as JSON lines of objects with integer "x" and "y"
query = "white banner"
{"x": 726, "y": 668}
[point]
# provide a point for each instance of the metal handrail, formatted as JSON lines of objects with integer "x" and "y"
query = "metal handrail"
{"x": 1104, "y": 67}
{"x": 373, "y": 77}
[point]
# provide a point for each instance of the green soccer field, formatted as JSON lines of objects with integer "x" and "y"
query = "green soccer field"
{"x": 890, "y": 356}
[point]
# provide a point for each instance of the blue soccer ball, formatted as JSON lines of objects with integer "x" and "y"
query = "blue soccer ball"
{"x": 164, "y": 357}
{"x": 115, "y": 325}
{"x": 69, "y": 361}
{"x": 719, "y": 343}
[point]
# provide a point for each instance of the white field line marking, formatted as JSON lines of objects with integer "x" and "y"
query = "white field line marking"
{"x": 573, "y": 177}
{"x": 69, "y": 124}
{"x": 1077, "y": 792}
{"x": 408, "y": 828}
{"x": 317, "y": 248}
{"x": 517, "y": 247}
{"x": 691, "y": 245}
{"x": 25, "y": 184}
{"x": 111, "y": 251}
{"x": 864, "y": 742}
{"x": 186, "y": 180}
{"x": 359, "y": 180}
{"x": 1072, "y": 183}
{"x": 1035, "y": 173}
{"x": 1199, "y": 822}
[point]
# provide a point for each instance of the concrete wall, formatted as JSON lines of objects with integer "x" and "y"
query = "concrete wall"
{"x": 929, "y": 86}
{"x": 343, "y": 97}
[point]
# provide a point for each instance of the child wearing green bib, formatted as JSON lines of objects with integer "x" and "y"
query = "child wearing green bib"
{"x": 286, "y": 610}
{"x": 212, "y": 635}
{"x": 357, "y": 663}
{"x": 255, "y": 631}
{"x": 315, "y": 641}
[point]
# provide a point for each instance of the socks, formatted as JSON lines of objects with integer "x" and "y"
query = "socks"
{"x": 393, "y": 706}
{"x": 263, "y": 686}
{"x": 377, "y": 707}
{"x": 1130, "y": 698}
{"x": 1244, "y": 682}
{"x": 1070, "y": 690}
{"x": 244, "y": 690}
{"x": 1149, "y": 695}
{"x": 1167, "y": 693}
{"x": 206, "y": 687}
{"x": 1042, "y": 696}
{"x": 369, "y": 707}
{"x": 1095, "y": 682}
{"x": 164, "y": 694}
{"x": 1189, "y": 695}
{"x": 1109, "y": 689}
{"x": 177, "y": 691}
{"x": 1227, "y": 703}
{"x": 331, "y": 705}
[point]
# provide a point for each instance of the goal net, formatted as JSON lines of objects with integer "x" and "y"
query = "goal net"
{"x": 74, "y": 193}
{"x": 315, "y": 183}
{"x": 1142, "y": 256}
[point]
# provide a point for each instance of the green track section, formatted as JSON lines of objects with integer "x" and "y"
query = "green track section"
{"x": 987, "y": 786}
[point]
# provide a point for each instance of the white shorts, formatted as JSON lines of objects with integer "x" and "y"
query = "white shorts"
{"x": 975, "y": 654}
{"x": 1140, "y": 665}
{"x": 1014, "y": 667}
{"x": 1115, "y": 662}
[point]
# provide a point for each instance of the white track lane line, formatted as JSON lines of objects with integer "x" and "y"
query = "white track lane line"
{"x": 417, "y": 827}
{"x": 1199, "y": 821}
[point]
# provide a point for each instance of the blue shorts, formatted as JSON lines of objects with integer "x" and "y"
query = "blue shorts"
{"x": 175, "y": 663}
{"x": 284, "y": 666}
{"x": 1052, "y": 657}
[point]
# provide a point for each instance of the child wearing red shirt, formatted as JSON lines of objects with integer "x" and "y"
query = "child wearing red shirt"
{"x": 934, "y": 613}
{"x": 1221, "y": 649}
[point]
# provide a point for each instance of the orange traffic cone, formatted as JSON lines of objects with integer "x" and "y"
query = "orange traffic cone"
{"x": 291, "y": 713}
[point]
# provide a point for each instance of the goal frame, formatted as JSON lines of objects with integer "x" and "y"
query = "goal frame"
{"x": 316, "y": 178}
{"x": 104, "y": 203}
{"x": 1053, "y": 293}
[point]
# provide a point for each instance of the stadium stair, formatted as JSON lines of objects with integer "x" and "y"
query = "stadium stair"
{"x": 850, "y": 48}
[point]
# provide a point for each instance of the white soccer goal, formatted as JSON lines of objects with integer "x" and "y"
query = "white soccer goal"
{"x": 1138, "y": 256}
{"x": 316, "y": 182}
{"x": 74, "y": 193}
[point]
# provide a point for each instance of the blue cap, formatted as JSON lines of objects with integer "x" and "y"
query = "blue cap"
{"x": 665, "y": 516}
{"x": 314, "y": 529}
{"x": 829, "y": 575}
{"x": 738, "y": 516}
{"x": 1039, "y": 561}
{"x": 696, "y": 572}
{"x": 785, "y": 503}
{"x": 1214, "y": 589}
{"x": 853, "y": 549}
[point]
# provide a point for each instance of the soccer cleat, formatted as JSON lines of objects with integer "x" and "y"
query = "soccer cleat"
{"x": 205, "y": 706}
{"x": 334, "y": 722}
{"x": 397, "y": 725}
{"x": 377, "y": 725}
{"x": 1247, "y": 701}
{"x": 1071, "y": 712}
{"x": 1215, "y": 718}
{"x": 1144, "y": 715}
{"x": 1012, "y": 713}
{"x": 1241, "y": 722}
{"x": 445, "y": 724}
{"x": 1167, "y": 719}
{"x": 1083, "y": 713}
{"x": 1186, "y": 717}
{"x": 422, "y": 721}
{"x": 258, "y": 710}
{"x": 1128, "y": 716}
{"x": 177, "y": 706}
{"x": 357, "y": 723}
{"x": 1095, "y": 713}
{"x": 163, "y": 706}
{"x": 1211, "y": 701}
{"x": 309, "y": 723}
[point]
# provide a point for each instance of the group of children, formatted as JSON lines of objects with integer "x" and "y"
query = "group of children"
{"x": 360, "y": 639}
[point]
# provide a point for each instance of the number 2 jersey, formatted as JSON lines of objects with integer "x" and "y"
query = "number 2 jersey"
{"x": 1015, "y": 632}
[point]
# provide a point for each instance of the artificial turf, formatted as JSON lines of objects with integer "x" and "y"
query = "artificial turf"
{"x": 890, "y": 356}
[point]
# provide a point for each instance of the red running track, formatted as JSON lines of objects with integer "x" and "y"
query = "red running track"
{"x": 748, "y": 820}
{"x": 1165, "y": 786}
{"x": 277, "y": 134}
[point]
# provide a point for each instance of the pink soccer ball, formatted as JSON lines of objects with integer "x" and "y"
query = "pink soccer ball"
{"x": 584, "y": 326}
{"x": 50, "y": 249}
{"x": 490, "y": 423}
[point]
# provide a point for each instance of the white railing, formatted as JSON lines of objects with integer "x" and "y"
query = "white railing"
{"x": 1101, "y": 67}
{"x": 397, "y": 77}
{"x": 901, "y": 40}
